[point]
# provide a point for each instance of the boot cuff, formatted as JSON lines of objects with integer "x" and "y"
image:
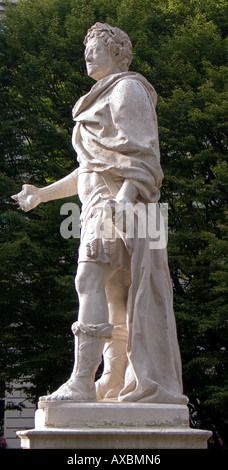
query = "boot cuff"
{"x": 103, "y": 330}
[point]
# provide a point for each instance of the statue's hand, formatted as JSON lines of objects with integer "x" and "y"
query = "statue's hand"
{"x": 28, "y": 198}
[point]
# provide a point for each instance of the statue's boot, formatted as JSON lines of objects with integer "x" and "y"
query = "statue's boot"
{"x": 89, "y": 344}
{"x": 115, "y": 361}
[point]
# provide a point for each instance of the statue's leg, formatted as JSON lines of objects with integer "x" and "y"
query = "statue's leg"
{"x": 114, "y": 354}
{"x": 91, "y": 332}
{"x": 89, "y": 343}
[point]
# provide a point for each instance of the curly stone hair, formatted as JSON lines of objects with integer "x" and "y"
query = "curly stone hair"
{"x": 116, "y": 40}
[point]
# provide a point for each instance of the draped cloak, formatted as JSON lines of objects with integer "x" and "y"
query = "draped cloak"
{"x": 116, "y": 132}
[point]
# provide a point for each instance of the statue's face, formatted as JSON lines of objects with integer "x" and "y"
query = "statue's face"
{"x": 100, "y": 62}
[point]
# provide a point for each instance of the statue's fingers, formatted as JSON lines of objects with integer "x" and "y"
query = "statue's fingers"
{"x": 21, "y": 207}
{"x": 24, "y": 188}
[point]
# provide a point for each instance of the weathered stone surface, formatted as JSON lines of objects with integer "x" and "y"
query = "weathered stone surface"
{"x": 112, "y": 426}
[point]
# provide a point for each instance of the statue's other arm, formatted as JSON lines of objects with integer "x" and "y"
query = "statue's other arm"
{"x": 127, "y": 193}
{"x": 132, "y": 108}
{"x": 31, "y": 196}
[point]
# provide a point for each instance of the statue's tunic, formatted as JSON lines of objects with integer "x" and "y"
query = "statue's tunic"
{"x": 116, "y": 134}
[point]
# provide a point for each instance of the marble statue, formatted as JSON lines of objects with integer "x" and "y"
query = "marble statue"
{"x": 124, "y": 287}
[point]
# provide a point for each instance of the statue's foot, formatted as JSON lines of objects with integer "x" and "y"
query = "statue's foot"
{"x": 109, "y": 386}
{"x": 70, "y": 392}
{"x": 60, "y": 389}
{"x": 104, "y": 391}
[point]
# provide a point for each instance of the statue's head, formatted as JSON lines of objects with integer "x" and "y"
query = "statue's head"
{"x": 112, "y": 44}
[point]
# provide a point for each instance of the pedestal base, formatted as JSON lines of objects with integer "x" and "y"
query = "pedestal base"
{"x": 112, "y": 425}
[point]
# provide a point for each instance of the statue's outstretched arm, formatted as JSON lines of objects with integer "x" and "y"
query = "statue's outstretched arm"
{"x": 31, "y": 196}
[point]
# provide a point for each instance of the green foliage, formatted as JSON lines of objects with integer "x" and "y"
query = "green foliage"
{"x": 180, "y": 46}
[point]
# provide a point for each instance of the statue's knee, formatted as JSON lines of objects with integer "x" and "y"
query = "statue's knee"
{"x": 81, "y": 283}
{"x": 87, "y": 280}
{"x": 91, "y": 277}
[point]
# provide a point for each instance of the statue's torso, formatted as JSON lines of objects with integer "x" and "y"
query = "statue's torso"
{"x": 87, "y": 181}
{"x": 91, "y": 182}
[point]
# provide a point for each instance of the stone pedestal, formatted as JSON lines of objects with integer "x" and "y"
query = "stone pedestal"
{"x": 112, "y": 425}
